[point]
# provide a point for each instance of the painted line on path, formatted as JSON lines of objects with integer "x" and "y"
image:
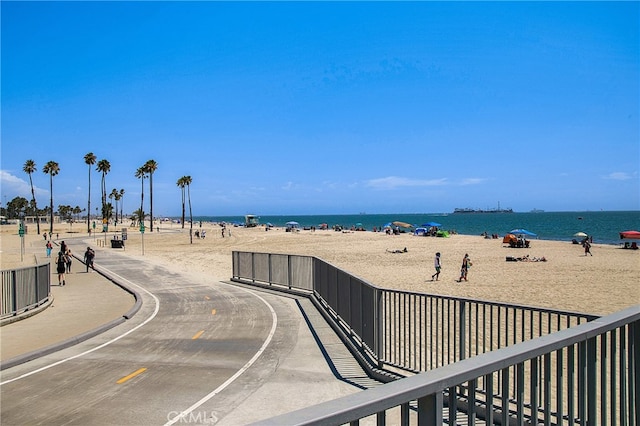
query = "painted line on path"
{"x": 274, "y": 324}
{"x": 62, "y": 361}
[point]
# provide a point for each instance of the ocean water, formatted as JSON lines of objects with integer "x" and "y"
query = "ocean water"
{"x": 603, "y": 226}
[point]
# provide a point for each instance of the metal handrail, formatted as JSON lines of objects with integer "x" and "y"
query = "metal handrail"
{"x": 500, "y": 362}
{"x": 407, "y": 330}
{"x": 24, "y": 288}
{"x": 428, "y": 389}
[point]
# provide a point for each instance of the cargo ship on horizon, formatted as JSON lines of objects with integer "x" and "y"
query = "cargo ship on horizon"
{"x": 470, "y": 210}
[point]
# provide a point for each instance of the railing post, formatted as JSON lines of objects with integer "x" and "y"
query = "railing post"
{"x": 635, "y": 366}
{"x": 591, "y": 385}
{"x": 462, "y": 321}
{"x": 378, "y": 324}
{"x": 14, "y": 290}
{"x": 253, "y": 267}
{"x": 430, "y": 410}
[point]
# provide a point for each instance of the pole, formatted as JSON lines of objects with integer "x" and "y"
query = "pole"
{"x": 21, "y": 233}
{"x": 142, "y": 235}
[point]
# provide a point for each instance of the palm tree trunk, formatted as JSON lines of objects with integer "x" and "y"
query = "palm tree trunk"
{"x": 89, "y": 204}
{"x": 151, "y": 199}
{"x": 103, "y": 196}
{"x": 142, "y": 203}
{"x": 51, "y": 204}
{"x": 183, "y": 196}
{"x": 33, "y": 197}
{"x": 190, "y": 215}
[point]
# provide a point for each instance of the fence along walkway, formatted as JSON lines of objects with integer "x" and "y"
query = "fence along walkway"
{"x": 501, "y": 362}
{"x": 24, "y": 288}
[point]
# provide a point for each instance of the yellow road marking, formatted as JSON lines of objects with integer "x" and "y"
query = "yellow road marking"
{"x": 197, "y": 335}
{"x": 213, "y": 312}
{"x": 131, "y": 376}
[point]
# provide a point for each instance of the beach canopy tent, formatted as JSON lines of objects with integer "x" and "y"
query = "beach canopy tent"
{"x": 402, "y": 224}
{"x": 420, "y": 231}
{"x": 631, "y": 235}
{"x": 521, "y": 231}
{"x": 430, "y": 224}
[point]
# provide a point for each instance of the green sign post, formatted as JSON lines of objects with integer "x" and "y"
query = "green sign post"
{"x": 142, "y": 235}
{"x": 21, "y": 233}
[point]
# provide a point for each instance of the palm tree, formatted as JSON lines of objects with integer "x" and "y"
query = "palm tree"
{"x": 139, "y": 216}
{"x": 182, "y": 185}
{"x": 141, "y": 174}
{"x": 150, "y": 167}
{"x": 90, "y": 160}
{"x": 30, "y": 167}
{"x": 112, "y": 195}
{"x": 187, "y": 181}
{"x": 51, "y": 168}
{"x": 120, "y": 197}
{"x": 108, "y": 208}
{"x": 104, "y": 167}
{"x": 77, "y": 210}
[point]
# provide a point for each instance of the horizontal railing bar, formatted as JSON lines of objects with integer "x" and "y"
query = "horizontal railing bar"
{"x": 588, "y": 317}
{"x": 371, "y": 401}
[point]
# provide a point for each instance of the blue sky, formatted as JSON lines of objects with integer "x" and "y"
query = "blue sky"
{"x": 326, "y": 108}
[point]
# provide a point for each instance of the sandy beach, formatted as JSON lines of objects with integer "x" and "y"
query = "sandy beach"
{"x": 600, "y": 284}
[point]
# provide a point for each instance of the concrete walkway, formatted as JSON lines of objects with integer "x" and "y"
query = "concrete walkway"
{"x": 90, "y": 304}
{"x": 85, "y": 306}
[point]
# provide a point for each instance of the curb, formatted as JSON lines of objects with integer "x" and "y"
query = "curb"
{"x": 27, "y": 313}
{"x": 38, "y": 353}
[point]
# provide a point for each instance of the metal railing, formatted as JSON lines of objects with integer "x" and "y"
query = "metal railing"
{"x": 493, "y": 361}
{"x": 584, "y": 375}
{"x": 421, "y": 332}
{"x": 24, "y": 288}
{"x": 412, "y": 331}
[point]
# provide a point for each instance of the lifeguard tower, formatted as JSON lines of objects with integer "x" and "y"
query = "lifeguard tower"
{"x": 251, "y": 221}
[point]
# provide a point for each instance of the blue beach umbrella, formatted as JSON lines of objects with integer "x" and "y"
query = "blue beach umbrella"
{"x": 521, "y": 231}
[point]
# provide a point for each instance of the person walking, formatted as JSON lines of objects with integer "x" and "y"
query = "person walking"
{"x": 464, "y": 269}
{"x": 69, "y": 260}
{"x": 437, "y": 265}
{"x": 61, "y": 267}
{"x": 88, "y": 258}
{"x": 49, "y": 247}
{"x": 587, "y": 247}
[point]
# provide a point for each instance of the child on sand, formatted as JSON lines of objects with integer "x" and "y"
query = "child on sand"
{"x": 464, "y": 269}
